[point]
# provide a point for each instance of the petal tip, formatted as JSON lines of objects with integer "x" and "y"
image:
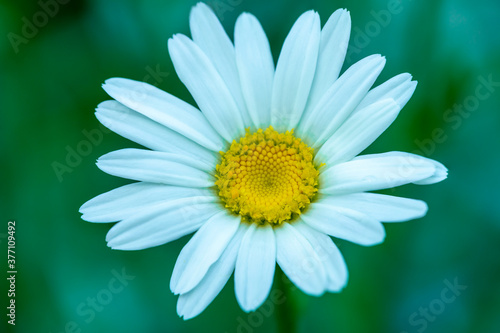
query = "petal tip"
{"x": 344, "y": 13}
{"x": 184, "y": 313}
{"x": 425, "y": 209}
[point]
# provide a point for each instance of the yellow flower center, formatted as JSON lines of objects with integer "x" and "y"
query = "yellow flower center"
{"x": 267, "y": 177}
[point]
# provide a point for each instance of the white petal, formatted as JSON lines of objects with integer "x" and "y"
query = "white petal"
{"x": 157, "y": 167}
{"x": 299, "y": 261}
{"x": 335, "y": 267}
{"x": 440, "y": 172}
{"x": 165, "y": 109}
{"x": 256, "y": 68}
{"x": 400, "y": 88}
{"x": 209, "y": 35}
{"x": 206, "y": 86}
{"x": 138, "y": 128}
{"x": 162, "y": 223}
{"x": 202, "y": 250}
{"x": 375, "y": 172}
{"x": 358, "y": 132}
{"x": 194, "y": 302}
{"x": 385, "y": 208}
{"x": 130, "y": 199}
{"x": 344, "y": 223}
{"x": 295, "y": 72}
{"x": 340, "y": 100}
{"x": 254, "y": 272}
{"x": 332, "y": 51}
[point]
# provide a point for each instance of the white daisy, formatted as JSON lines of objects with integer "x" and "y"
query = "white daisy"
{"x": 267, "y": 171}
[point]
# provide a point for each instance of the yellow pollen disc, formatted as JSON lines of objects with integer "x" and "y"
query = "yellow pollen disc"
{"x": 267, "y": 177}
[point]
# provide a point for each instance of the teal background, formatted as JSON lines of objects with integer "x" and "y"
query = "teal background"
{"x": 50, "y": 87}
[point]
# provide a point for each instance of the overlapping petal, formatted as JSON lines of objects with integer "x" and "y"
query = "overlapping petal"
{"x": 332, "y": 50}
{"x": 255, "y": 67}
{"x": 358, "y": 132}
{"x": 165, "y": 222}
{"x": 344, "y": 223}
{"x": 149, "y": 133}
{"x": 207, "y": 87}
{"x": 195, "y": 301}
{"x": 165, "y": 109}
{"x": 124, "y": 201}
{"x": 385, "y": 208}
{"x": 376, "y": 172}
{"x": 209, "y": 35}
{"x": 399, "y": 88}
{"x": 254, "y": 272}
{"x": 329, "y": 254}
{"x": 299, "y": 261}
{"x": 202, "y": 250}
{"x": 157, "y": 167}
{"x": 340, "y": 100}
{"x": 295, "y": 72}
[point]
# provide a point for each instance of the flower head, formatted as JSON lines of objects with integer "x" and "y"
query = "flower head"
{"x": 268, "y": 170}
{"x": 267, "y": 177}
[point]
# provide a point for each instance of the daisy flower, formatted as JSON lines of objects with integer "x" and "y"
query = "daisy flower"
{"x": 265, "y": 170}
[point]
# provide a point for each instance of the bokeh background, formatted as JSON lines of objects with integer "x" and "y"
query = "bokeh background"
{"x": 50, "y": 81}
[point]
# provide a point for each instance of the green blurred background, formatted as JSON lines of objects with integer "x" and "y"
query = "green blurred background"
{"x": 50, "y": 84}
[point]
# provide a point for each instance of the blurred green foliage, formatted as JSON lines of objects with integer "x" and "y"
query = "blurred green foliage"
{"x": 51, "y": 85}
